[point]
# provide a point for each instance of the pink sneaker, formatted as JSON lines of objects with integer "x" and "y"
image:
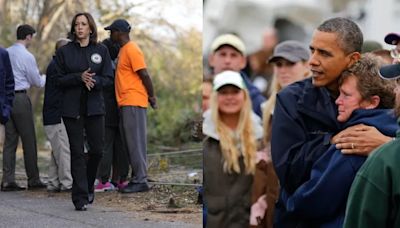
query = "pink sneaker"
{"x": 122, "y": 184}
{"x": 100, "y": 187}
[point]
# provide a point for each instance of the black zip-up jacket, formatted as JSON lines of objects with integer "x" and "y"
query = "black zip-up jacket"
{"x": 71, "y": 61}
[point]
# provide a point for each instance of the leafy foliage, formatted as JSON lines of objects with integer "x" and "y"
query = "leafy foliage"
{"x": 173, "y": 54}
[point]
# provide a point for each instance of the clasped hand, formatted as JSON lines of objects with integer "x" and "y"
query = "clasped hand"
{"x": 88, "y": 79}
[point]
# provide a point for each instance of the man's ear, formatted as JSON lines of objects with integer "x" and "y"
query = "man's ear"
{"x": 354, "y": 57}
{"x": 373, "y": 102}
{"x": 243, "y": 62}
{"x": 211, "y": 60}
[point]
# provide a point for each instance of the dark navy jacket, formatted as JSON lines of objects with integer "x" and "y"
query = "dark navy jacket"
{"x": 111, "y": 118}
{"x": 304, "y": 121}
{"x": 256, "y": 97}
{"x": 6, "y": 86}
{"x": 321, "y": 201}
{"x": 71, "y": 60}
{"x": 52, "y": 97}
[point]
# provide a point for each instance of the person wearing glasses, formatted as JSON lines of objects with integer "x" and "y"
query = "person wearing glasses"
{"x": 393, "y": 39}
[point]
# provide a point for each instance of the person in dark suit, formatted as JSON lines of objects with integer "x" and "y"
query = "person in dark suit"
{"x": 6, "y": 101}
{"x": 7, "y": 89}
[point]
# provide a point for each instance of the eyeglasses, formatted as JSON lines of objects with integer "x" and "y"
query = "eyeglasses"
{"x": 395, "y": 53}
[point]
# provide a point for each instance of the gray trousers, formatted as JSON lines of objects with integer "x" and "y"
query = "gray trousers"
{"x": 134, "y": 136}
{"x": 60, "y": 161}
{"x": 21, "y": 125}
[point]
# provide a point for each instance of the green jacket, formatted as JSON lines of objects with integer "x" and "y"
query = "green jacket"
{"x": 374, "y": 199}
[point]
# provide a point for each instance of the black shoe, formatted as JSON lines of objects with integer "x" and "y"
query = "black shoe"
{"x": 36, "y": 185}
{"x": 91, "y": 198}
{"x": 81, "y": 208}
{"x": 8, "y": 187}
{"x": 53, "y": 190}
{"x": 135, "y": 187}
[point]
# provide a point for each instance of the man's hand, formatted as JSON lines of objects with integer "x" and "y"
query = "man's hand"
{"x": 153, "y": 102}
{"x": 87, "y": 78}
{"x": 359, "y": 139}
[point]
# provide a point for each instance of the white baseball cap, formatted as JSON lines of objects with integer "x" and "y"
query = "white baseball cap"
{"x": 228, "y": 78}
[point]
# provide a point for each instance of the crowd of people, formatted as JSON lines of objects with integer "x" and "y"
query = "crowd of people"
{"x": 94, "y": 111}
{"x": 319, "y": 150}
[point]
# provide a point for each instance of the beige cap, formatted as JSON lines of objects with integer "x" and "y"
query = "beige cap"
{"x": 228, "y": 39}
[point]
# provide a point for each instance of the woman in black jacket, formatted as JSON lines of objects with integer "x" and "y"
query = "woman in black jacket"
{"x": 83, "y": 68}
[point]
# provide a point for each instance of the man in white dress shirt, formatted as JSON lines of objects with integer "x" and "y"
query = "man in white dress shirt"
{"x": 21, "y": 124}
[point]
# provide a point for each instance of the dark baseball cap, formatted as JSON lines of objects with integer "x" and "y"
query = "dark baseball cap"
{"x": 392, "y": 38}
{"x": 291, "y": 50}
{"x": 120, "y": 25}
{"x": 390, "y": 71}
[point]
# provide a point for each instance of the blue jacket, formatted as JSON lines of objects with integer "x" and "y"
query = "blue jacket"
{"x": 52, "y": 103}
{"x": 304, "y": 121}
{"x": 321, "y": 201}
{"x": 6, "y": 86}
{"x": 256, "y": 97}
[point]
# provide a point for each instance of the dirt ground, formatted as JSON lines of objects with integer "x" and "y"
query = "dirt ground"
{"x": 161, "y": 203}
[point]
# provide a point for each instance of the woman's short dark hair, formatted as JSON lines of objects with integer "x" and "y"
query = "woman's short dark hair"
{"x": 92, "y": 25}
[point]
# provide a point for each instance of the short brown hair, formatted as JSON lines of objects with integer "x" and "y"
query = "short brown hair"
{"x": 369, "y": 84}
{"x": 24, "y": 30}
{"x": 92, "y": 25}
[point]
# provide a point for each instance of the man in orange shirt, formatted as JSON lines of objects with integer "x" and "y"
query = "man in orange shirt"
{"x": 134, "y": 92}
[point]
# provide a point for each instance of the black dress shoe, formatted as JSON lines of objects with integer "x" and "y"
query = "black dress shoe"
{"x": 36, "y": 185}
{"x": 81, "y": 208}
{"x": 53, "y": 190}
{"x": 135, "y": 187}
{"x": 8, "y": 187}
{"x": 91, "y": 198}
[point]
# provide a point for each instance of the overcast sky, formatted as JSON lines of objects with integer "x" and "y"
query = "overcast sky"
{"x": 185, "y": 13}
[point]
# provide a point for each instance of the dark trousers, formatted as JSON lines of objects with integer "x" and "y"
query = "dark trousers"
{"x": 21, "y": 124}
{"x": 115, "y": 155}
{"x": 84, "y": 166}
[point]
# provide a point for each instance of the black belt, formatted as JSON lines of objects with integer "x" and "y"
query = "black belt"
{"x": 20, "y": 91}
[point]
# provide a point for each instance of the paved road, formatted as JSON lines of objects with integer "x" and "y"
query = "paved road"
{"x": 19, "y": 209}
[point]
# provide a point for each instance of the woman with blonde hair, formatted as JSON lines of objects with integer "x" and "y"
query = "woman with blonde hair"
{"x": 232, "y": 131}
